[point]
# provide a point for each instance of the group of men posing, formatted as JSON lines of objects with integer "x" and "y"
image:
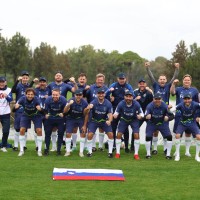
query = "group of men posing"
{"x": 111, "y": 109}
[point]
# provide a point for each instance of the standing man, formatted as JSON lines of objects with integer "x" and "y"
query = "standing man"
{"x": 5, "y": 99}
{"x": 116, "y": 92}
{"x": 130, "y": 112}
{"x": 100, "y": 117}
{"x": 54, "y": 107}
{"x": 31, "y": 105}
{"x": 76, "y": 117}
{"x": 157, "y": 115}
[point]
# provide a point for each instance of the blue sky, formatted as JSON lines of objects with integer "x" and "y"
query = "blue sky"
{"x": 149, "y": 28}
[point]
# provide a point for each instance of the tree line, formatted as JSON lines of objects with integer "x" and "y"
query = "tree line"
{"x": 16, "y": 55}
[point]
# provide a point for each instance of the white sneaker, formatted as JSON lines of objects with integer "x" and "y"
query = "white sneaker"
{"x": 174, "y": 153}
{"x": 39, "y": 153}
{"x": 67, "y": 154}
{"x": 4, "y": 149}
{"x": 188, "y": 154}
{"x": 21, "y": 153}
{"x": 81, "y": 155}
{"x": 177, "y": 158}
{"x": 197, "y": 158}
{"x": 53, "y": 149}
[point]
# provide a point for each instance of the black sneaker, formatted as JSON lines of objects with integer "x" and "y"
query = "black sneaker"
{"x": 168, "y": 157}
{"x": 100, "y": 149}
{"x": 15, "y": 148}
{"x": 110, "y": 155}
{"x": 46, "y": 152}
{"x": 25, "y": 148}
{"x": 127, "y": 150}
{"x": 94, "y": 149}
{"x": 58, "y": 153}
{"x": 36, "y": 148}
{"x": 89, "y": 154}
{"x": 154, "y": 152}
{"x": 148, "y": 157}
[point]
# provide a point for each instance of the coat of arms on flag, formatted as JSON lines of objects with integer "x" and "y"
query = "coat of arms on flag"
{"x": 88, "y": 174}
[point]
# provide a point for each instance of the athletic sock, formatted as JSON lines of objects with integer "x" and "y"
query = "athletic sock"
{"x": 155, "y": 142}
{"x": 82, "y": 142}
{"x": 148, "y": 146}
{"x": 68, "y": 144}
{"x": 110, "y": 145}
{"x": 136, "y": 145}
{"x": 177, "y": 145}
{"x": 54, "y": 139}
{"x": 39, "y": 143}
{"x": 164, "y": 144}
{"x": 101, "y": 139}
{"x": 21, "y": 142}
{"x": 197, "y": 147}
{"x": 35, "y": 139}
{"x": 118, "y": 144}
{"x": 74, "y": 139}
{"x": 89, "y": 146}
{"x": 94, "y": 140}
{"x": 188, "y": 141}
{"x": 25, "y": 139}
{"x": 16, "y": 139}
{"x": 169, "y": 148}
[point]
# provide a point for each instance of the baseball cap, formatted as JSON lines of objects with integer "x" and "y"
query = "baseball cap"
{"x": 157, "y": 96}
{"x": 42, "y": 79}
{"x": 121, "y": 75}
{"x": 100, "y": 90}
{"x": 187, "y": 96}
{"x": 2, "y": 79}
{"x": 24, "y": 73}
{"x": 128, "y": 93}
{"x": 78, "y": 91}
{"x": 141, "y": 80}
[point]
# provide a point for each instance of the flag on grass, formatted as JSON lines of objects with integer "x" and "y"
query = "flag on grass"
{"x": 88, "y": 174}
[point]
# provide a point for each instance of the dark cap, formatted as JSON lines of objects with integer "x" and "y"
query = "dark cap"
{"x": 101, "y": 90}
{"x": 121, "y": 75}
{"x": 128, "y": 92}
{"x": 157, "y": 96}
{"x": 141, "y": 80}
{"x": 187, "y": 96}
{"x": 42, "y": 79}
{"x": 78, "y": 92}
{"x": 24, "y": 73}
{"x": 2, "y": 79}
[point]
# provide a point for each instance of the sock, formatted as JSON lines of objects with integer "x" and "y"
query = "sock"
{"x": 187, "y": 144}
{"x": 74, "y": 139}
{"x": 155, "y": 143}
{"x": 35, "y": 139}
{"x": 197, "y": 147}
{"x": 177, "y": 144}
{"x": 94, "y": 141}
{"x": 101, "y": 139}
{"x": 164, "y": 144}
{"x": 54, "y": 139}
{"x": 16, "y": 139}
{"x": 118, "y": 144}
{"x": 21, "y": 142}
{"x": 68, "y": 144}
{"x": 89, "y": 146}
{"x": 110, "y": 145}
{"x": 82, "y": 142}
{"x": 85, "y": 145}
{"x": 169, "y": 147}
{"x": 148, "y": 146}
{"x": 136, "y": 145}
{"x": 39, "y": 143}
{"x": 25, "y": 139}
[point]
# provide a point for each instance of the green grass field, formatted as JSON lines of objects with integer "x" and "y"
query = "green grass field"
{"x": 30, "y": 177}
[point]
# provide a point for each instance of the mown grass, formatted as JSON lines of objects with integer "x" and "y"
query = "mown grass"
{"x": 30, "y": 177}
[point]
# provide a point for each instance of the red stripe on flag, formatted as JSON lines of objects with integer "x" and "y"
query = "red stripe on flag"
{"x": 102, "y": 178}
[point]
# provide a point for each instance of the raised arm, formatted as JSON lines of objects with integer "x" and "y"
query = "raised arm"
{"x": 176, "y": 72}
{"x": 151, "y": 76}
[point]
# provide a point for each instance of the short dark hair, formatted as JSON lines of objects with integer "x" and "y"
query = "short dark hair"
{"x": 56, "y": 90}
{"x": 82, "y": 74}
{"x": 30, "y": 90}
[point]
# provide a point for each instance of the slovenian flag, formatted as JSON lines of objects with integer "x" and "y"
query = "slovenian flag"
{"x": 88, "y": 174}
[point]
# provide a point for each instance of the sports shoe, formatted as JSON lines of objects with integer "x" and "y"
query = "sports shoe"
{"x": 168, "y": 157}
{"x": 100, "y": 149}
{"x": 117, "y": 155}
{"x": 4, "y": 149}
{"x": 67, "y": 154}
{"x": 15, "y": 148}
{"x": 21, "y": 153}
{"x": 127, "y": 150}
{"x": 110, "y": 155}
{"x": 89, "y": 154}
{"x": 197, "y": 158}
{"x": 136, "y": 157}
{"x": 39, "y": 153}
{"x": 154, "y": 152}
{"x": 46, "y": 152}
{"x": 94, "y": 149}
{"x": 177, "y": 158}
{"x": 74, "y": 149}
{"x": 188, "y": 154}
{"x": 58, "y": 153}
{"x": 53, "y": 149}
{"x": 81, "y": 154}
{"x": 148, "y": 157}
{"x": 36, "y": 148}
